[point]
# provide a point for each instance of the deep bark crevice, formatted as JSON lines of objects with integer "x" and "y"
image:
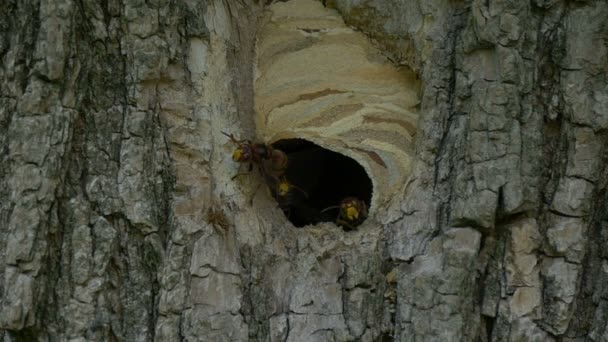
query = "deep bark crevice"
{"x": 112, "y": 164}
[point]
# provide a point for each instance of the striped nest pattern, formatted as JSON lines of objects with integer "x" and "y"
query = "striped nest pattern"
{"x": 319, "y": 80}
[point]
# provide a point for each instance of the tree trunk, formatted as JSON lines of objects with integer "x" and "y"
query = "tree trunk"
{"x": 119, "y": 220}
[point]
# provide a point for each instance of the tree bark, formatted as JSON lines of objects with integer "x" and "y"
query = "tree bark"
{"x": 119, "y": 220}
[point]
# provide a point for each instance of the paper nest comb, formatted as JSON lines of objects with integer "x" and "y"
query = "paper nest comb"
{"x": 319, "y": 80}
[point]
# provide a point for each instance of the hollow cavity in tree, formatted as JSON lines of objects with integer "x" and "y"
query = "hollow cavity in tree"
{"x": 323, "y": 82}
{"x": 325, "y": 178}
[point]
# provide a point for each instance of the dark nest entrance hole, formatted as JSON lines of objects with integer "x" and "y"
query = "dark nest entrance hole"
{"x": 327, "y": 177}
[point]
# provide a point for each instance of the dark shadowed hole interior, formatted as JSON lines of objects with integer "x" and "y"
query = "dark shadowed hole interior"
{"x": 326, "y": 176}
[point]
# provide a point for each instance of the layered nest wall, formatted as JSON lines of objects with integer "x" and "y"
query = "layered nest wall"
{"x": 328, "y": 97}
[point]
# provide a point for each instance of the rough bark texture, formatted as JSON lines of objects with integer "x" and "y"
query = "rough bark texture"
{"x": 119, "y": 221}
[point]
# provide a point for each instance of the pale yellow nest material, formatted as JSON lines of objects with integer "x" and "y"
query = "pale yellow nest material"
{"x": 319, "y": 80}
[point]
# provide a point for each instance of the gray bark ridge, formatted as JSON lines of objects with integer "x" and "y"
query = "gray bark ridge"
{"x": 119, "y": 221}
